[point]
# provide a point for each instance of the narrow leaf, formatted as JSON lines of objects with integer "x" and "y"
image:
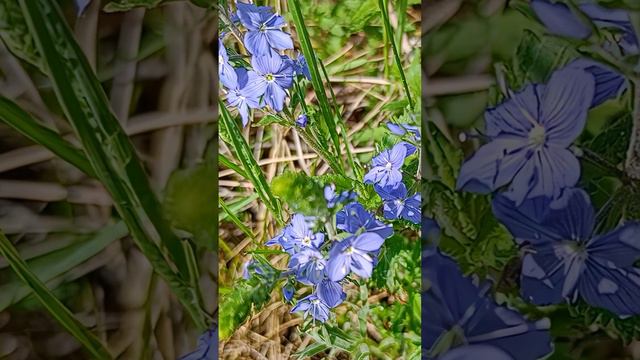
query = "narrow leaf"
{"x": 51, "y": 303}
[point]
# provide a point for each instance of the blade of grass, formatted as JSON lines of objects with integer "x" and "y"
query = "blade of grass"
{"x": 231, "y": 165}
{"x": 12, "y": 115}
{"x": 387, "y": 27}
{"x": 54, "y": 264}
{"x": 51, "y": 303}
{"x": 316, "y": 79}
{"x": 232, "y": 216}
{"x": 237, "y": 206}
{"x": 109, "y": 150}
{"x": 250, "y": 166}
{"x": 343, "y": 130}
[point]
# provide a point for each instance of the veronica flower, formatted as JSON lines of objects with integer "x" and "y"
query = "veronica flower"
{"x": 397, "y": 205}
{"x": 272, "y": 76}
{"x": 402, "y": 129}
{"x": 330, "y": 292}
{"x": 530, "y": 135}
{"x": 608, "y": 82}
{"x": 302, "y": 120}
{"x": 309, "y": 265}
{"x": 355, "y": 253}
{"x": 264, "y": 29}
{"x": 460, "y": 318}
{"x": 355, "y": 219}
{"x": 300, "y": 67}
{"x": 334, "y": 198}
{"x": 301, "y": 235}
{"x": 226, "y": 73}
{"x": 207, "y": 347}
{"x": 386, "y": 166}
{"x": 283, "y": 240}
{"x": 242, "y": 93}
{"x": 313, "y": 305}
{"x": 560, "y": 20}
{"x": 288, "y": 290}
{"x": 565, "y": 259}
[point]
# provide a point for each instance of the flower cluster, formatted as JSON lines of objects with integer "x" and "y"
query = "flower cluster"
{"x": 530, "y": 153}
{"x": 386, "y": 176}
{"x": 324, "y": 263}
{"x": 272, "y": 73}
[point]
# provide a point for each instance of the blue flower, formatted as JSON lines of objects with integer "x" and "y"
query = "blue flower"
{"x": 560, "y": 20}
{"x": 288, "y": 290}
{"x": 563, "y": 257}
{"x": 355, "y": 219}
{"x": 207, "y": 347}
{"x": 387, "y": 165}
{"x": 397, "y": 205}
{"x": 301, "y": 235}
{"x": 242, "y": 94}
{"x": 313, "y": 305}
{"x": 530, "y": 135}
{"x": 282, "y": 239}
{"x": 355, "y": 253}
{"x": 226, "y": 73}
{"x": 300, "y": 67}
{"x": 334, "y": 198}
{"x": 608, "y": 82}
{"x": 264, "y": 29}
{"x": 302, "y": 120}
{"x": 459, "y": 318}
{"x": 309, "y": 266}
{"x": 272, "y": 77}
{"x": 402, "y": 129}
{"x": 330, "y": 292}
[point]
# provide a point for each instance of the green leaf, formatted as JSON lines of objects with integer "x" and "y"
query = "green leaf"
{"x": 316, "y": 79}
{"x": 245, "y": 296}
{"x": 537, "y": 56}
{"x": 16, "y": 35}
{"x": 301, "y": 192}
{"x": 50, "y": 266}
{"x": 189, "y": 202}
{"x": 234, "y": 218}
{"x": 12, "y": 115}
{"x": 57, "y": 310}
{"x": 109, "y": 150}
{"x": 250, "y": 166}
{"x": 126, "y": 5}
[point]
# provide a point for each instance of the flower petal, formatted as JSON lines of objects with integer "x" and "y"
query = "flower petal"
{"x": 516, "y": 116}
{"x": 566, "y": 100}
{"x": 493, "y": 165}
{"x": 559, "y": 19}
{"x": 621, "y": 246}
{"x": 368, "y": 241}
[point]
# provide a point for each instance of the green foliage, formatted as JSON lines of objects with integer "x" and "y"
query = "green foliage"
{"x": 12, "y": 115}
{"x": 126, "y": 5}
{"x": 231, "y": 134}
{"x": 189, "y": 202}
{"x": 16, "y": 35}
{"x": 303, "y": 194}
{"x": 245, "y": 296}
{"x": 537, "y": 56}
{"x": 54, "y": 265}
{"x": 57, "y": 310}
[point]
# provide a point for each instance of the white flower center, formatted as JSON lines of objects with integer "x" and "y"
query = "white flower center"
{"x": 349, "y": 250}
{"x": 399, "y": 202}
{"x": 388, "y": 166}
{"x": 306, "y": 241}
{"x": 537, "y": 135}
{"x": 315, "y": 301}
{"x": 269, "y": 77}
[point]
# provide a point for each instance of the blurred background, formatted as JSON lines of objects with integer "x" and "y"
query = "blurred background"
{"x": 155, "y": 62}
